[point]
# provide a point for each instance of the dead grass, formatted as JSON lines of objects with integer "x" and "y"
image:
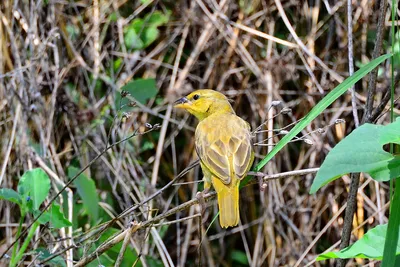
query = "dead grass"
{"x": 57, "y": 91}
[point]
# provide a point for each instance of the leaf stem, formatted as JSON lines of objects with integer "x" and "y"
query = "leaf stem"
{"x": 16, "y": 245}
{"x": 392, "y": 234}
{"x": 25, "y": 245}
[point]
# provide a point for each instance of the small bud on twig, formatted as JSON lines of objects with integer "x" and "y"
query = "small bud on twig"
{"x": 124, "y": 93}
{"x": 132, "y": 104}
{"x": 286, "y": 111}
{"x": 33, "y": 108}
{"x": 125, "y": 116}
{"x": 275, "y": 103}
{"x": 308, "y": 141}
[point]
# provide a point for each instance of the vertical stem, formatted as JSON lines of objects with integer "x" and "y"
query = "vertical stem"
{"x": 355, "y": 178}
{"x": 16, "y": 245}
{"x": 392, "y": 234}
{"x": 374, "y": 73}
{"x": 349, "y": 214}
{"x": 351, "y": 60}
{"x": 25, "y": 244}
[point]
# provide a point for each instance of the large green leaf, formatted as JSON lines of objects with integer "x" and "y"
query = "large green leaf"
{"x": 369, "y": 246}
{"x": 362, "y": 151}
{"x": 87, "y": 191}
{"x": 35, "y": 185}
{"x": 10, "y": 195}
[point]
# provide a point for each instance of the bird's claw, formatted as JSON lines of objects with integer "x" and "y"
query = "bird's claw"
{"x": 262, "y": 184}
{"x": 202, "y": 202}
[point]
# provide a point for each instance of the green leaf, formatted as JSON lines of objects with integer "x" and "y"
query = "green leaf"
{"x": 10, "y": 195}
{"x": 149, "y": 36}
{"x": 54, "y": 216}
{"x": 87, "y": 191}
{"x": 362, "y": 151}
{"x": 155, "y": 262}
{"x": 369, "y": 246}
{"x": 156, "y": 19}
{"x": 319, "y": 108}
{"x": 140, "y": 89}
{"x": 137, "y": 25}
{"x": 240, "y": 257}
{"x": 34, "y": 184}
{"x": 57, "y": 218}
{"x": 108, "y": 258}
{"x": 141, "y": 33}
{"x": 44, "y": 254}
{"x": 132, "y": 39}
{"x": 113, "y": 17}
{"x": 44, "y": 218}
{"x": 392, "y": 235}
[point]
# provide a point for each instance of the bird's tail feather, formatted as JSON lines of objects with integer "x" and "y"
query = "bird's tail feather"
{"x": 228, "y": 202}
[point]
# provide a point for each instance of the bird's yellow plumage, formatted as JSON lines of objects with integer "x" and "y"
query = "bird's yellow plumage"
{"x": 223, "y": 144}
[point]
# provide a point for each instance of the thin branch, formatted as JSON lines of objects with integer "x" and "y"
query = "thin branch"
{"x": 101, "y": 228}
{"x": 355, "y": 177}
{"x": 377, "y": 51}
{"x": 334, "y": 75}
{"x": 135, "y": 226}
{"x": 71, "y": 181}
{"x": 379, "y": 109}
{"x": 118, "y": 237}
{"x": 351, "y": 59}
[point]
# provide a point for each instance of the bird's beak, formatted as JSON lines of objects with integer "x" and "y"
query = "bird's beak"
{"x": 181, "y": 103}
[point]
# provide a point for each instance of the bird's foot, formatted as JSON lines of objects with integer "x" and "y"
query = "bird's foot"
{"x": 262, "y": 184}
{"x": 202, "y": 201}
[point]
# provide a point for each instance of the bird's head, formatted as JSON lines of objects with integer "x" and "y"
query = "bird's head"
{"x": 205, "y": 102}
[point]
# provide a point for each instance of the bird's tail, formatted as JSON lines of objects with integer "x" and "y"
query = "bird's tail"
{"x": 228, "y": 202}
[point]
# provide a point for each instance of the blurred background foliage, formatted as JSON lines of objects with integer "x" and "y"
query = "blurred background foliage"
{"x": 64, "y": 64}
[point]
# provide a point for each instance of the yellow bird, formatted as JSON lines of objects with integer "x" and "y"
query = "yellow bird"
{"x": 223, "y": 144}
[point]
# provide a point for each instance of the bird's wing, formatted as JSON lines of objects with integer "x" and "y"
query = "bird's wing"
{"x": 224, "y": 147}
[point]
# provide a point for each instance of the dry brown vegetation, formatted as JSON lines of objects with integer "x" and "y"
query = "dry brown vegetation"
{"x": 63, "y": 64}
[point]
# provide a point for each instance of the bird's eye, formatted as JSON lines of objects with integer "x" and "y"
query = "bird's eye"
{"x": 195, "y": 97}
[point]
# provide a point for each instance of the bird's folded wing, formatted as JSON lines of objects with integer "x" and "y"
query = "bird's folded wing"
{"x": 225, "y": 151}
